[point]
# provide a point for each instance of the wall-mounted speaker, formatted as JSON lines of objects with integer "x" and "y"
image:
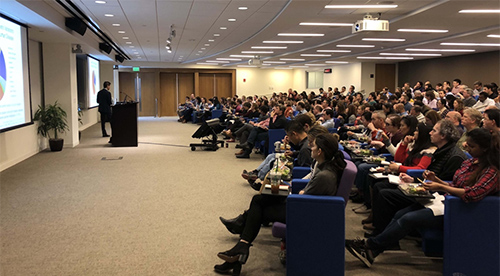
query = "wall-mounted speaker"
{"x": 76, "y": 25}
{"x": 119, "y": 58}
{"x": 105, "y": 47}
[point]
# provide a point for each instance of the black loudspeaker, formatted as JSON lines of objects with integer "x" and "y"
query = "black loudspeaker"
{"x": 76, "y": 25}
{"x": 119, "y": 58}
{"x": 105, "y": 48}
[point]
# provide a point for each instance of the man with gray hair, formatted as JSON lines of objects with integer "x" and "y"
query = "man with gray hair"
{"x": 469, "y": 101}
{"x": 471, "y": 120}
{"x": 456, "y": 119}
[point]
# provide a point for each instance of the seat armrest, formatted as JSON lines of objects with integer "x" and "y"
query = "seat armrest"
{"x": 298, "y": 185}
{"x": 299, "y": 172}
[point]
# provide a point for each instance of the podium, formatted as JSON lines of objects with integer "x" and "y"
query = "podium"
{"x": 124, "y": 124}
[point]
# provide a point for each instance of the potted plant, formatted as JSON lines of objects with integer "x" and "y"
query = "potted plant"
{"x": 52, "y": 119}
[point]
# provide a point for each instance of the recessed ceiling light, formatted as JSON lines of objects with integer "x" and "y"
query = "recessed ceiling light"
{"x": 282, "y": 41}
{"x": 204, "y": 63}
{"x": 293, "y": 59}
{"x": 121, "y": 32}
{"x": 471, "y": 44}
{"x": 131, "y": 46}
{"x": 216, "y": 34}
{"x": 242, "y": 56}
{"x": 108, "y": 15}
{"x": 200, "y": 51}
{"x": 422, "y": 31}
{"x": 125, "y": 37}
{"x": 385, "y": 39}
{"x": 128, "y": 42}
{"x": 231, "y": 20}
{"x": 242, "y": 8}
{"x": 217, "y": 61}
{"x": 337, "y": 62}
{"x": 325, "y": 24}
{"x": 211, "y": 40}
{"x": 269, "y": 47}
{"x": 274, "y": 62}
{"x": 207, "y": 44}
{"x": 100, "y": 2}
{"x": 333, "y": 51}
{"x": 203, "y": 48}
{"x": 299, "y": 34}
{"x": 233, "y": 59}
{"x": 197, "y": 54}
{"x": 257, "y": 52}
{"x": 312, "y": 64}
{"x": 223, "y": 28}
{"x": 116, "y": 25}
{"x": 479, "y": 11}
{"x": 410, "y": 54}
{"x": 298, "y": 66}
{"x": 355, "y": 46}
{"x": 315, "y": 55}
{"x": 439, "y": 50}
{"x": 361, "y": 6}
{"x": 248, "y": 66}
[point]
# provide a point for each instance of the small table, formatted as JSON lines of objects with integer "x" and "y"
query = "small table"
{"x": 267, "y": 191}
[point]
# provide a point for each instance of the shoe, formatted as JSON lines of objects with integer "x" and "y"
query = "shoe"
{"x": 105, "y": 135}
{"x": 246, "y": 145}
{"x": 244, "y": 155}
{"x": 369, "y": 227}
{"x": 239, "y": 253}
{"x": 226, "y": 267}
{"x": 238, "y": 146}
{"x": 249, "y": 175}
{"x": 362, "y": 210}
{"x": 282, "y": 257}
{"x": 235, "y": 225}
{"x": 256, "y": 186}
{"x": 359, "y": 250}
{"x": 240, "y": 153}
{"x": 369, "y": 234}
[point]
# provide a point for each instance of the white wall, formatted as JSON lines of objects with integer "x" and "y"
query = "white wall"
{"x": 343, "y": 75}
{"x": 22, "y": 143}
{"x": 263, "y": 81}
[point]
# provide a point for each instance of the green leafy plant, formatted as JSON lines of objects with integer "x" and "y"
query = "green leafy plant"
{"x": 52, "y": 118}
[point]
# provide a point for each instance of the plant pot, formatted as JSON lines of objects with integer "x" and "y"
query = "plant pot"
{"x": 56, "y": 144}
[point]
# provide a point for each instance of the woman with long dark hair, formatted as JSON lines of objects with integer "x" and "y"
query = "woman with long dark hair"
{"x": 475, "y": 179}
{"x": 264, "y": 208}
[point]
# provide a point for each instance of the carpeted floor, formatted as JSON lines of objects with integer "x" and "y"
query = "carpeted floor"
{"x": 146, "y": 210}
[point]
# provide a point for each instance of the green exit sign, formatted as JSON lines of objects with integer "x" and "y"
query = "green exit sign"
{"x": 136, "y": 69}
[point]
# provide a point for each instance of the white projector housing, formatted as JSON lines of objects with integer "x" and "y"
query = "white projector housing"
{"x": 370, "y": 25}
{"x": 254, "y": 61}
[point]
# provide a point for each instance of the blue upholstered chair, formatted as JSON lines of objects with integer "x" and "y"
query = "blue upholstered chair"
{"x": 315, "y": 235}
{"x": 471, "y": 237}
{"x": 216, "y": 113}
{"x": 274, "y": 135}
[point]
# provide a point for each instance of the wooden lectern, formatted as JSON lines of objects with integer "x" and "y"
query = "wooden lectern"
{"x": 124, "y": 125}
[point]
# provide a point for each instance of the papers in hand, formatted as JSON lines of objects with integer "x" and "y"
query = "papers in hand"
{"x": 282, "y": 187}
{"x": 379, "y": 175}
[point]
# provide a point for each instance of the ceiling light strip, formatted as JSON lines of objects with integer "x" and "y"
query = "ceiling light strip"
{"x": 246, "y": 40}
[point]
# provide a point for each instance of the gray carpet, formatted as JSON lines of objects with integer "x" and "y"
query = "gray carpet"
{"x": 153, "y": 212}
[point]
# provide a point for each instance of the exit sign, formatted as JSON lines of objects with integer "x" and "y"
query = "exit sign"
{"x": 136, "y": 69}
{"x": 328, "y": 71}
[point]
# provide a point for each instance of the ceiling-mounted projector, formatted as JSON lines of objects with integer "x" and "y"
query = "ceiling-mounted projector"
{"x": 255, "y": 61}
{"x": 370, "y": 24}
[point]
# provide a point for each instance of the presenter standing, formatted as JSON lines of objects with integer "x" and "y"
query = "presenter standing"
{"x": 104, "y": 101}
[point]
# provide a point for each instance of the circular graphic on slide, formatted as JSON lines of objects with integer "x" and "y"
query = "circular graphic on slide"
{"x": 93, "y": 82}
{"x": 3, "y": 75}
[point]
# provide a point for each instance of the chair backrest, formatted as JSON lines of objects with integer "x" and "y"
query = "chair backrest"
{"x": 337, "y": 122}
{"x": 346, "y": 155}
{"x": 274, "y": 135}
{"x": 347, "y": 180}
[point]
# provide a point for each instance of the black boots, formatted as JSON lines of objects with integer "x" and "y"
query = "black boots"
{"x": 235, "y": 225}
{"x": 239, "y": 253}
{"x": 226, "y": 267}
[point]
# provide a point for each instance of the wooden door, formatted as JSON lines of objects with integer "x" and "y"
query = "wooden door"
{"x": 385, "y": 75}
{"x": 168, "y": 95}
{"x": 127, "y": 85}
{"x": 223, "y": 85}
{"x": 185, "y": 83}
{"x": 206, "y": 88}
